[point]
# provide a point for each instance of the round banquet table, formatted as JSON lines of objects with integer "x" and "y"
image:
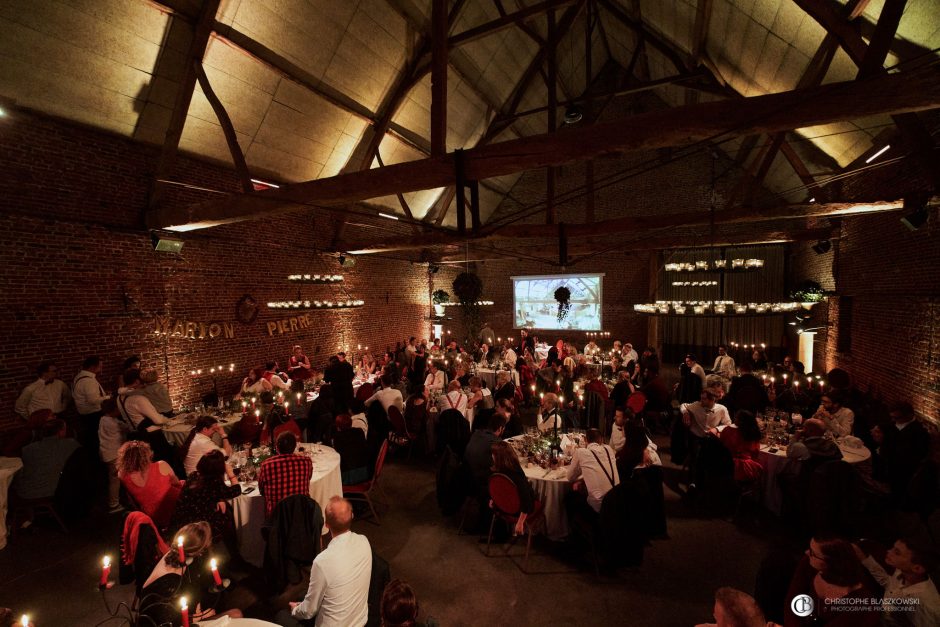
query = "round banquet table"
{"x": 775, "y": 463}
{"x": 177, "y": 429}
{"x": 325, "y": 483}
{"x": 488, "y": 376}
{"x": 550, "y": 488}
{"x": 8, "y": 467}
{"x": 228, "y": 621}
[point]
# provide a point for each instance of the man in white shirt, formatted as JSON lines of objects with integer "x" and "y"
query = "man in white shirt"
{"x": 705, "y": 416}
{"x": 509, "y": 357}
{"x": 274, "y": 378}
{"x": 339, "y": 579}
{"x": 112, "y": 433}
{"x": 202, "y": 442}
{"x": 411, "y": 350}
{"x": 629, "y": 354}
{"x": 387, "y": 396}
{"x": 137, "y": 408}
{"x": 549, "y": 416}
{"x": 435, "y": 379}
{"x": 724, "y": 364}
{"x": 910, "y": 597}
{"x": 597, "y": 466}
{"x": 454, "y": 399}
{"x": 838, "y": 419}
{"x": 46, "y": 392}
{"x": 88, "y": 395}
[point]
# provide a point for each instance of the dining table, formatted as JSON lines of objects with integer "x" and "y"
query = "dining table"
{"x": 773, "y": 458}
{"x": 488, "y": 376}
{"x": 9, "y": 466}
{"x": 325, "y": 483}
{"x": 550, "y": 485}
{"x": 177, "y": 429}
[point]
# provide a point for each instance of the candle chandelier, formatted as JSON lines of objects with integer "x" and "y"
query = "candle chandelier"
{"x": 345, "y": 300}
{"x": 716, "y": 265}
{"x": 713, "y": 308}
{"x": 694, "y": 283}
{"x": 480, "y": 303}
{"x": 315, "y": 278}
{"x": 316, "y": 304}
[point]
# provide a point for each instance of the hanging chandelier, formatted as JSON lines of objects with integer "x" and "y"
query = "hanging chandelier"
{"x": 716, "y": 265}
{"x": 315, "y": 278}
{"x": 316, "y": 304}
{"x": 694, "y": 283}
{"x": 480, "y": 303}
{"x": 713, "y": 308}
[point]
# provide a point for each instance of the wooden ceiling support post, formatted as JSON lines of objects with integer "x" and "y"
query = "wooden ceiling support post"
{"x": 552, "y": 87}
{"x": 474, "y": 206}
{"x": 460, "y": 185}
{"x": 439, "y": 27}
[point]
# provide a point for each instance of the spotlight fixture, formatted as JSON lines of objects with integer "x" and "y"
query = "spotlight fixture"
{"x": 433, "y": 268}
{"x": 878, "y": 154}
{"x": 573, "y": 114}
{"x": 346, "y": 261}
{"x": 822, "y": 247}
{"x": 163, "y": 243}
{"x": 342, "y": 259}
{"x": 917, "y": 208}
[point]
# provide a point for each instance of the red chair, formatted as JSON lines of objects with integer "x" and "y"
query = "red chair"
{"x": 361, "y": 491}
{"x": 636, "y": 402}
{"x": 506, "y": 506}
{"x": 365, "y": 392}
{"x": 400, "y": 435}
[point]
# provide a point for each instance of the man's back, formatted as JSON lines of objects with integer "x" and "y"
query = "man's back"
{"x": 43, "y": 462}
{"x": 342, "y": 573}
{"x": 282, "y": 476}
{"x": 478, "y": 455}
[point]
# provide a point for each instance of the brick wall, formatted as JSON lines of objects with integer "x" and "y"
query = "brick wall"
{"x": 81, "y": 277}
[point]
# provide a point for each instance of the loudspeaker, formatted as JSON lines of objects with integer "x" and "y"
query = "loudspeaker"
{"x": 163, "y": 243}
{"x": 347, "y": 261}
{"x": 822, "y": 247}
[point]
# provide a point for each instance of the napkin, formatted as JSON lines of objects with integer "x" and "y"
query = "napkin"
{"x": 850, "y": 441}
{"x": 565, "y": 443}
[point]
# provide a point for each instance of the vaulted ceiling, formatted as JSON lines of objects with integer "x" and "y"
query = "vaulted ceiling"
{"x": 306, "y": 83}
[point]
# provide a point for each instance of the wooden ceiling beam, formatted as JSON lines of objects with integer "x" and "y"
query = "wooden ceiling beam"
{"x": 506, "y": 21}
{"x": 680, "y": 126}
{"x": 633, "y": 224}
{"x": 228, "y": 129}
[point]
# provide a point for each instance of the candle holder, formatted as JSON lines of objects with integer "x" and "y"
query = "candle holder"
{"x": 217, "y": 588}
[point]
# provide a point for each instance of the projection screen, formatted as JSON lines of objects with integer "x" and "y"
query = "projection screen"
{"x": 535, "y": 307}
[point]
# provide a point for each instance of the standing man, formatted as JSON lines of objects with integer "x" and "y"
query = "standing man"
{"x": 340, "y": 375}
{"x": 629, "y": 354}
{"x": 88, "y": 395}
{"x": 411, "y": 350}
{"x": 46, "y": 392}
{"x": 724, "y": 364}
{"x": 339, "y": 578}
{"x": 487, "y": 335}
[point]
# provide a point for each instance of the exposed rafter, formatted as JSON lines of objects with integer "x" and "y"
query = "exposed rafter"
{"x": 681, "y": 126}
{"x": 241, "y": 167}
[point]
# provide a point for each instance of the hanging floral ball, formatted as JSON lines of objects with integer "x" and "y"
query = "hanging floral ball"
{"x": 468, "y": 288}
{"x": 563, "y": 294}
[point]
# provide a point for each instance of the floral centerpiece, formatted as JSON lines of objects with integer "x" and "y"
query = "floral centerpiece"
{"x": 438, "y": 298}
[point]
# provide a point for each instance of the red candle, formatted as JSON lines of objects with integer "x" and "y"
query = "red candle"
{"x": 184, "y": 611}
{"x": 287, "y": 409}
{"x": 215, "y": 572}
{"x": 179, "y": 548}
{"x": 105, "y": 570}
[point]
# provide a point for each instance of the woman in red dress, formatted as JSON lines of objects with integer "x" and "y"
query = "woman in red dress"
{"x": 743, "y": 440}
{"x": 153, "y": 485}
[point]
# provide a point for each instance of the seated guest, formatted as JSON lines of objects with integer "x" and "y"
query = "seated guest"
{"x": 505, "y": 388}
{"x": 657, "y": 394}
{"x": 596, "y": 466}
{"x": 46, "y": 392}
{"x": 353, "y": 449}
{"x": 831, "y": 575}
{"x": 172, "y": 579}
{"x": 479, "y": 454}
{"x": 905, "y": 446}
{"x": 506, "y": 409}
{"x": 637, "y": 451}
{"x": 298, "y": 366}
{"x": 596, "y": 385}
{"x": 155, "y": 391}
{"x": 628, "y": 354}
{"x": 549, "y": 416}
{"x": 462, "y": 375}
{"x": 617, "y": 434}
{"x": 910, "y": 596}
{"x": 812, "y": 444}
{"x": 454, "y": 399}
{"x": 399, "y": 605}
{"x": 112, "y": 432}
{"x": 742, "y": 439}
{"x": 509, "y": 355}
{"x": 759, "y": 359}
{"x": 734, "y": 608}
{"x": 434, "y": 382}
{"x": 747, "y": 391}
{"x": 837, "y": 418}
{"x": 284, "y": 474}
{"x": 416, "y": 413}
{"x": 278, "y": 421}
{"x": 200, "y": 442}
{"x": 486, "y": 355}
{"x": 339, "y": 578}
{"x": 703, "y": 419}
{"x": 724, "y": 364}
{"x": 716, "y": 385}
{"x": 43, "y": 461}
{"x": 255, "y": 384}
{"x": 506, "y": 462}
{"x": 622, "y": 389}
{"x": 272, "y": 376}
{"x": 367, "y": 363}
{"x": 357, "y": 414}
{"x": 480, "y": 397}
{"x": 206, "y": 497}
{"x": 152, "y": 485}
{"x": 591, "y": 349}
{"x": 88, "y": 395}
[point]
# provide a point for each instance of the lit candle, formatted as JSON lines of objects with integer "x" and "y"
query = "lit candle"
{"x": 179, "y": 547}
{"x": 299, "y": 395}
{"x": 763, "y": 346}
{"x": 216, "y": 577}
{"x": 820, "y": 385}
{"x": 105, "y": 570}
{"x": 24, "y": 621}
{"x": 184, "y": 611}
{"x": 541, "y": 395}
{"x": 193, "y": 373}
{"x": 785, "y": 379}
{"x": 244, "y": 407}
{"x": 772, "y": 379}
{"x": 254, "y": 399}
{"x": 257, "y": 414}
{"x": 533, "y": 388}
{"x": 286, "y": 408}
{"x": 796, "y": 383}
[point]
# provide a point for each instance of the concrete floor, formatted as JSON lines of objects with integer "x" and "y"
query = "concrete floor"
{"x": 53, "y": 576}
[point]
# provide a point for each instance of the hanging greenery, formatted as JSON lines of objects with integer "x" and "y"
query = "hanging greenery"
{"x": 468, "y": 288}
{"x": 563, "y": 296}
{"x": 439, "y": 297}
{"x": 808, "y": 292}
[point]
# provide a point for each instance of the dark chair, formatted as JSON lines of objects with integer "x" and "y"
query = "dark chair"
{"x": 365, "y": 391}
{"x": 293, "y": 540}
{"x": 453, "y": 430}
{"x": 637, "y": 402}
{"x": 361, "y": 491}
{"x": 399, "y": 435}
{"x": 506, "y": 506}
{"x": 595, "y": 411}
{"x": 381, "y": 575}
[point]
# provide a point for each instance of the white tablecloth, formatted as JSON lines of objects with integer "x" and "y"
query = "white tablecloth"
{"x": 775, "y": 463}
{"x": 325, "y": 483}
{"x": 8, "y": 467}
{"x": 177, "y": 430}
{"x": 550, "y": 488}
{"x": 228, "y": 621}
{"x": 488, "y": 376}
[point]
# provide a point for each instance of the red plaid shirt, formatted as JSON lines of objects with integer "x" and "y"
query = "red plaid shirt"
{"x": 282, "y": 476}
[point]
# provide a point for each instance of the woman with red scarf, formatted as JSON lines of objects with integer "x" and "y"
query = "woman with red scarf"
{"x": 298, "y": 366}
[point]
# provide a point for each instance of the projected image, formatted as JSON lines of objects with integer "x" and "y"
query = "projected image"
{"x": 536, "y": 308}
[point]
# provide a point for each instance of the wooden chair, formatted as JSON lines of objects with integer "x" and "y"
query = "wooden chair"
{"x": 362, "y": 491}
